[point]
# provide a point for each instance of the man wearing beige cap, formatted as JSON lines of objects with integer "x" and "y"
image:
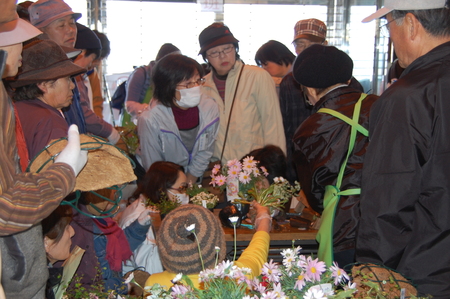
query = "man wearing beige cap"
{"x": 57, "y": 20}
{"x": 405, "y": 199}
{"x": 294, "y": 108}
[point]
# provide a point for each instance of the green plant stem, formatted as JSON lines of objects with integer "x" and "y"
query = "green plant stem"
{"x": 234, "y": 228}
{"x": 199, "y": 250}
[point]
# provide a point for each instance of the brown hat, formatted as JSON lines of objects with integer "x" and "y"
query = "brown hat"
{"x": 44, "y": 60}
{"x": 214, "y": 35}
{"x": 177, "y": 246}
{"x": 106, "y": 166}
{"x": 311, "y": 29}
{"x": 44, "y": 12}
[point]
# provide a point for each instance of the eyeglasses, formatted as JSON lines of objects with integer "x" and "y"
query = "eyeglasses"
{"x": 199, "y": 82}
{"x": 182, "y": 189}
{"x": 216, "y": 54}
{"x": 384, "y": 29}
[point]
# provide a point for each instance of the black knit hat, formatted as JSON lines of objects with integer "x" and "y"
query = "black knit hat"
{"x": 321, "y": 66}
{"x": 215, "y": 35}
{"x": 177, "y": 246}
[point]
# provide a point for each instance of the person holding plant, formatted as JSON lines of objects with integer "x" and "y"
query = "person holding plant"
{"x": 181, "y": 123}
{"x": 164, "y": 186}
{"x": 191, "y": 240}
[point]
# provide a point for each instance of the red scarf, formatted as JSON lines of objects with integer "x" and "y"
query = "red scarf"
{"x": 117, "y": 246}
{"x": 22, "y": 149}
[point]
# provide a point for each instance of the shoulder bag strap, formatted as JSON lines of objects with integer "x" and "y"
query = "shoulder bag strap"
{"x": 333, "y": 192}
{"x": 231, "y": 110}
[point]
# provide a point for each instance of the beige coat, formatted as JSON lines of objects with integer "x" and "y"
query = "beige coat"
{"x": 256, "y": 118}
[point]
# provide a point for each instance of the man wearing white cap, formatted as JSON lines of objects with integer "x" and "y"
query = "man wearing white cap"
{"x": 25, "y": 199}
{"x": 405, "y": 200}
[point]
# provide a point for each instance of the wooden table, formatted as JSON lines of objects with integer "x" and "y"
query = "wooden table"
{"x": 281, "y": 237}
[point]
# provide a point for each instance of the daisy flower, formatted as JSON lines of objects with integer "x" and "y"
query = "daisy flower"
{"x": 249, "y": 164}
{"x": 179, "y": 289}
{"x": 215, "y": 169}
{"x": 338, "y": 274}
{"x": 270, "y": 270}
{"x": 234, "y": 163}
{"x": 314, "y": 268}
{"x": 301, "y": 281}
{"x": 244, "y": 178}
{"x": 314, "y": 294}
{"x": 264, "y": 170}
{"x": 220, "y": 180}
{"x": 233, "y": 172}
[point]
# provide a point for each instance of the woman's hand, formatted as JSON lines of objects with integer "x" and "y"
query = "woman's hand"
{"x": 263, "y": 220}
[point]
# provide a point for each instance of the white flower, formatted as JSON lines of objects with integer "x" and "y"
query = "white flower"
{"x": 314, "y": 294}
{"x": 217, "y": 248}
{"x": 234, "y": 219}
{"x": 177, "y": 278}
{"x": 130, "y": 278}
{"x": 191, "y": 227}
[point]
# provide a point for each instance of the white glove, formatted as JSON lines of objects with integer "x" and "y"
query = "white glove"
{"x": 114, "y": 137}
{"x": 72, "y": 153}
{"x": 144, "y": 218}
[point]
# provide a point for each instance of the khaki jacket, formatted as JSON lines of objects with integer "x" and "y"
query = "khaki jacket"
{"x": 256, "y": 118}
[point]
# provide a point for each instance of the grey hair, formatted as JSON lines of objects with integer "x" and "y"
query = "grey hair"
{"x": 435, "y": 21}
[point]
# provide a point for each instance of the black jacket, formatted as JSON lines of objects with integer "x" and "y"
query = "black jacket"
{"x": 321, "y": 145}
{"x": 405, "y": 200}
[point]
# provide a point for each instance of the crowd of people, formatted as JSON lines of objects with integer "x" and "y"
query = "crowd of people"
{"x": 374, "y": 167}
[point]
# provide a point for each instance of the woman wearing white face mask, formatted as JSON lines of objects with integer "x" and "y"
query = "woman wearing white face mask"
{"x": 163, "y": 177}
{"x": 181, "y": 124}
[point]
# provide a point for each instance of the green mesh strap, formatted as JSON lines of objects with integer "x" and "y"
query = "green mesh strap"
{"x": 333, "y": 193}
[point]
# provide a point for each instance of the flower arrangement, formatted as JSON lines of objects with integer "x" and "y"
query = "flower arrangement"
{"x": 244, "y": 181}
{"x": 200, "y": 196}
{"x": 165, "y": 204}
{"x": 205, "y": 199}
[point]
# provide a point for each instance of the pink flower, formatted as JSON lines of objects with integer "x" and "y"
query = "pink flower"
{"x": 270, "y": 270}
{"x": 256, "y": 172}
{"x": 338, "y": 274}
{"x": 220, "y": 180}
{"x": 244, "y": 177}
{"x": 314, "y": 268}
{"x": 216, "y": 169}
{"x": 234, "y": 162}
{"x": 179, "y": 289}
{"x": 301, "y": 281}
{"x": 248, "y": 164}
{"x": 264, "y": 170}
{"x": 233, "y": 172}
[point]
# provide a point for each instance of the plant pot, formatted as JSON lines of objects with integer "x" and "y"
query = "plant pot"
{"x": 230, "y": 211}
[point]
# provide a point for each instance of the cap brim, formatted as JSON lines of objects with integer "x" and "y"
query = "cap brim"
{"x": 378, "y": 14}
{"x": 17, "y": 31}
{"x": 229, "y": 39}
{"x": 62, "y": 69}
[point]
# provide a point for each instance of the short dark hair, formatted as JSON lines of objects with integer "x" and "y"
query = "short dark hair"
{"x": 27, "y": 92}
{"x": 435, "y": 21}
{"x": 165, "y": 50}
{"x": 106, "y": 45}
{"x": 274, "y": 51}
{"x": 55, "y": 224}
{"x": 273, "y": 159}
{"x": 97, "y": 52}
{"x": 161, "y": 176}
{"x": 170, "y": 71}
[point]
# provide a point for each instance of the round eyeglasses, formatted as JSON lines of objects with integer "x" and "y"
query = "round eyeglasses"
{"x": 182, "y": 189}
{"x": 198, "y": 82}
{"x": 215, "y": 54}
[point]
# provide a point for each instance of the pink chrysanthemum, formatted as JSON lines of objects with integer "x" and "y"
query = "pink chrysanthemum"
{"x": 244, "y": 177}
{"x": 264, "y": 170}
{"x": 249, "y": 163}
{"x": 233, "y": 172}
{"x": 271, "y": 271}
{"x": 314, "y": 268}
{"x": 234, "y": 162}
{"x": 179, "y": 289}
{"x": 220, "y": 180}
{"x": 338, "y": 274}
{"x": 301, "y": 281}
{"x": 215, "y": 169}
